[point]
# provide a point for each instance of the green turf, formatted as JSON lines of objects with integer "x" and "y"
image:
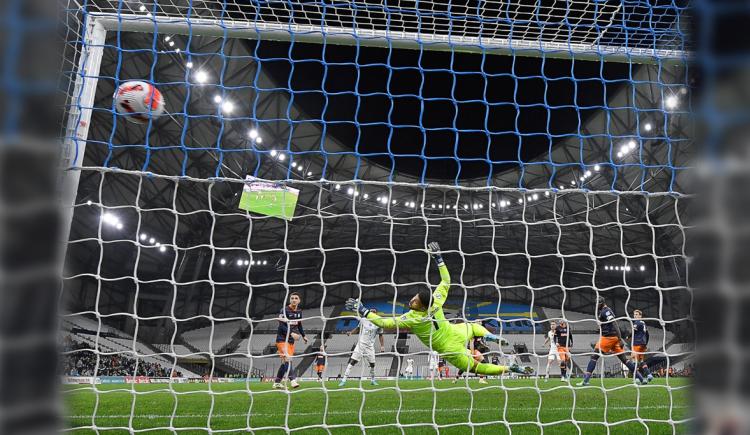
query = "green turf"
{"x": 515, "y": 407}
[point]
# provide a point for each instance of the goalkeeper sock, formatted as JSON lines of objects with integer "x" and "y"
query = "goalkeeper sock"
{"x": 372, "y": 371}
{"x": 289, "y": 372}
{"x": 490, "y": 369}
{"x": 563, "y": 371}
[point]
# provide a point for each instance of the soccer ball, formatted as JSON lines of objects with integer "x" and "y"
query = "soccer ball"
{"x": 139, "y": 101}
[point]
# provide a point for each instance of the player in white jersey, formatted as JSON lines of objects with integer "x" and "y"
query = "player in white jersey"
{"x": 434, "y": 356}
{"x": 409, "y": 370}
{"x": 368, "y": 332}
{"x": 552, "y": 355}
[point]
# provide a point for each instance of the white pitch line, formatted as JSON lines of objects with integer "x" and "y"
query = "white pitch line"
{"x": 376, "y": 411}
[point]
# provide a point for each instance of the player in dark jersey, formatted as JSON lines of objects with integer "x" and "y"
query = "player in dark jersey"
{"x": 320, "y": 363}
{"x": 610, "y": 341}
{"x": 478, "y": 350}
{"x": 640, "y": 345}
{"x": 564, "y": 341}
{"x": 290, "y": 329}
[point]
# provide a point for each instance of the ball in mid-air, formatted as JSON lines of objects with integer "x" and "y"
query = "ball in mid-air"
{"x": 139, "y": 101}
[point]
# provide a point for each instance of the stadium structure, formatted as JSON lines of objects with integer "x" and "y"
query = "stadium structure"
{"x": 546, "y": 145}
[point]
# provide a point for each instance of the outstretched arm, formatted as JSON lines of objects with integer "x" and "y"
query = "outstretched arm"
{"x": 441, "y": 293}
{"x": 403, "y": 321}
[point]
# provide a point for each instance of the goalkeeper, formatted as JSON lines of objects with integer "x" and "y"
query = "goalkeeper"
{"x": 427, "y": 321}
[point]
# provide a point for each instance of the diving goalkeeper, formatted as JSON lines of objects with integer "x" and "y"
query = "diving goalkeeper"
{"x": 427, "y": 321}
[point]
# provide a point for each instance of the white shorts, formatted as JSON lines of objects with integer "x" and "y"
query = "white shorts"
{"x": 553, "y": 355}
{"x": 367, "y": 351}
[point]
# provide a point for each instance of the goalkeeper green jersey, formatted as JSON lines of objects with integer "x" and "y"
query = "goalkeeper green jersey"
{"x": 430, "y": 326}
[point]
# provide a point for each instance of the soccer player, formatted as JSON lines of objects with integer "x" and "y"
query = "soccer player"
{"x": 610, "y": 341}
{"x": 564, "y": 340}
{"x": 427, "y": 321}
{"x": 409, "y": 370}
{"x": 434, "y": 364}
{"x": 365, "y": 347}
{"x": 640, "y": 345}
{"x": 320, "y": 364}
{"x": 290, "y": 329}
{"x": 442, "y": 367}
{"x": 552, "y": 355}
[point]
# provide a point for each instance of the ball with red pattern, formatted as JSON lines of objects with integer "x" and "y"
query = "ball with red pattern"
{"x": 139, "y": 101}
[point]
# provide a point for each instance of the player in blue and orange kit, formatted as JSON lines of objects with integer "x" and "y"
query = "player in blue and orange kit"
{"x": 640, "y": 345}
{"x": 320, "y": 364}
{"x": 290, "y": 329}
{"x": 610, "y": 342}
{"x": 564, "y": 341}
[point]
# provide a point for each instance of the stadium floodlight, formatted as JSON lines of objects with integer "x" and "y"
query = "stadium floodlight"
{"x": 546, "y": 193}
{"x": 274, "y": 153}
{"x": 647, "y": 126}
{"x": 253, "y": 133}
{"x": 142, "y": 8}
{"x": 157, "y": 244}
{"x": 294, "y": 165}
{"x": 535, "y": 196}
{"x": 393, "y": 202}
{"x": 573, "y": 182}
{"x": 476, "y": 206}
{"x": 632, "y": 145}
{"x": 119, "y": 226}
{"x": 350, "y": 191}
{"x": 588, "y": 173}
{"x": 162, "y": 248}
{"x": 365, "y": 196}
{"x": 239, "y": 262}
{"x": 265, "y": 262}
{"x": 309, "y": 173}
{"x": 671, "y": 102}
{"x": 642, "y": 268}
{"x": 520, "y": 200}
{"x": 189, "y": 65}
{"x": 440, "y": 205}
{"x": 259, "y": 140}
{"x": 282, "y": 156}
{"x": 247, "y": 262}
{"x": 227, "y": 107}
{"x": 597, "y": 168}
{"x": 222, "y": 261}
{"x": 201, "y": 76}
{"x": 89, "y": 202}
{"x": 619, "y": 154}
{"x": 432, "y": 206}
{"x": 143, "y": 236}
{"x": 152, "y": 240}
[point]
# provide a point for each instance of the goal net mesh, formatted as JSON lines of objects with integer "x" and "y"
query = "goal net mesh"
{"x": 545, "y": 145}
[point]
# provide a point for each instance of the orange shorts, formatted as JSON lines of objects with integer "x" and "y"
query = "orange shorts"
{"x": 285, "y": 349}
{"x": 609, "y": 345}
{"x": 319, "y": 368}
{"x": 563, "y": 353}
{"x": 442, "y": 369}
{"x": 639, "y": 352}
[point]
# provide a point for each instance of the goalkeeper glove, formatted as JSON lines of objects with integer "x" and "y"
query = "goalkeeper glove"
{"x": 356, "y": 305}
{"x": 434, "y": 249}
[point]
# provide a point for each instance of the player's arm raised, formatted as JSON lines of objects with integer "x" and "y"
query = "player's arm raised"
{"x": 441, "y": 293}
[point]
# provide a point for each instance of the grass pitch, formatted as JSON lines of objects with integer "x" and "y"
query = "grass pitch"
{"x": 502, "y": 407}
